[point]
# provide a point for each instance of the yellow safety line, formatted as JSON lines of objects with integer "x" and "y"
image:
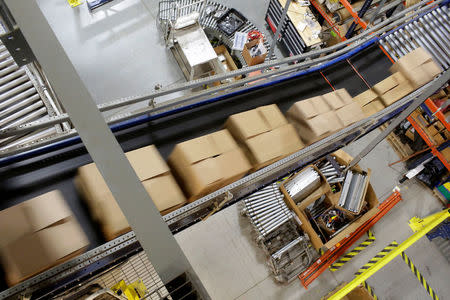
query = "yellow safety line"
{"x": 419, "y": 276}
{"x": 370, "y": 290}
{"x": 377, "y": 257}
{"x": 438, "y": 219}
{"x": 347, "y": 257}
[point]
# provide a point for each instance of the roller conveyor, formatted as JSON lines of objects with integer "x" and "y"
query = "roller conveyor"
{"x": 22, "y": 100}
{"x": 430, "y": 31}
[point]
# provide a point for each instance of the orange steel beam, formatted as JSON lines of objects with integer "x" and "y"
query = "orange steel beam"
{"x": 435, "y": 110}
{"x": 330, "y": 22}
{"x": 329, "y": 257}
{"x": 430, "y": 104}
{"x": 354, "y": 14}
{"x": 429, "y": 142}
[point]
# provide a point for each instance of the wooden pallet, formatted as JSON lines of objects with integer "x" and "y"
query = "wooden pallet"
{"x": 402, "y": 150}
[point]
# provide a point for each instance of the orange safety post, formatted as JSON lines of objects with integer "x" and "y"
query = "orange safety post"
{"x": 329, "y": 257}
{"x": 429, "y": 142}
{"x": 354, "y": 14}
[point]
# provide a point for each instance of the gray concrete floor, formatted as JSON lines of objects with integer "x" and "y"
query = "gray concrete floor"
{"x": 121, "y": 40}
{"x": 231, "y": 266}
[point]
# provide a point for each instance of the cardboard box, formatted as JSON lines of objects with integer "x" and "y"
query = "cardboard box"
{"x": 41, "y": 224}
{"x": 253, "y": 60}
{"x": 318, "y": 127}
{"x": 446, "y": 153}
{"x": 358, "y": 293}
{"x": 154, "y": 174}
{"x": 229, "y": 62}
{"x": 370, "y": 198}
{"x": 373, "y": 107}
{"x": 344, "y": 96}
{"x": 268, "y": 147}
{"x": 422, "y": 74}
{"x": 397, "y": 93}
{"x": 253, "y": 122}
{"x": 387, "y": 84}
{"x": 337, "y": 99}
{"x": 208, "y": 163}
{"x": 264, "y": 134}
{"x": 366, "y": 97}
{"x": 309, "y": 108}
{"x": 350, "y": 114}
{"x": 415, "y": 58}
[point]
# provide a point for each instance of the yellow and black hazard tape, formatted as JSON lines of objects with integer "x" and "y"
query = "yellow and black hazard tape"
{"x": 370, "y": 290}
{"x": 419, "y": 276}
{"x": 347, "y": 257}
{"x": 377, "y": 257}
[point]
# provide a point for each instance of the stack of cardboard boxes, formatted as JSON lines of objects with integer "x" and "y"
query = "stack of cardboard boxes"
{"x": 264, "y": 134}
{"x": 154, "y": 174}
{"x": 208, "y": 163}
{"x": 370, "y": 102}
{"x": 38, "y": 234}
{"x": 320, "y": 116}
{"x": 409, "y": 73}
{"x": 418, "y": 67}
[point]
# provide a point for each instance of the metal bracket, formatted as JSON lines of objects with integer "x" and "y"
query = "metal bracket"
{"x": 18, "y": 47}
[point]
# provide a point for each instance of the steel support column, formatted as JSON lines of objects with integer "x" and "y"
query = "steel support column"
{"x": 155, "y": 237}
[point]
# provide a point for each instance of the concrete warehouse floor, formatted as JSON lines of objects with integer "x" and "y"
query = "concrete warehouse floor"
{"x": 231, "y": 266}
{"x": 117, "y": 48}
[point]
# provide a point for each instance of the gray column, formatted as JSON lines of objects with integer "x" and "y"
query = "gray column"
{"x": 155, "y": 237}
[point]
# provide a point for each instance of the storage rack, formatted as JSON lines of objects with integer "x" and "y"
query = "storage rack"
{"x": 191, "y": 213}
{"x": 290, "y": 38}
{"x": 430, "y": 31}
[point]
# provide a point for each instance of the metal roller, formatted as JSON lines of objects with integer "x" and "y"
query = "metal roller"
{"x": 8, "y": 70}
{"x": 7, "y": 62}
{"x": 18, "y": 97}
{"x": 31, "y": 116}
{"x": 11, "y": 76}
{"x": 14, "y": 91}
{"x": 439, "y": 30}
{"x": 20, "y": 114}
{"x": 13, "y": 83}
{"x": 303, "y": 184}
{"x": 444, "y": 58}
{"x": 13, "y": 108}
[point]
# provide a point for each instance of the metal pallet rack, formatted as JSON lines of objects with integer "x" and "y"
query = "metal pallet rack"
{"x": 290, "y": 38}
{"x": 430, "y": 31}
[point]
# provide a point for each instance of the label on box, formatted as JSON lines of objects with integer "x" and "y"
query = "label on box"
{"x": 301, "y": 26}
{"x": 240, "y": 38}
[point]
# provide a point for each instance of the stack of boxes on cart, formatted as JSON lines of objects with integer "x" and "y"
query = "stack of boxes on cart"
{"x": 250, "y": 141}
{"x": 409, "y": 73}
